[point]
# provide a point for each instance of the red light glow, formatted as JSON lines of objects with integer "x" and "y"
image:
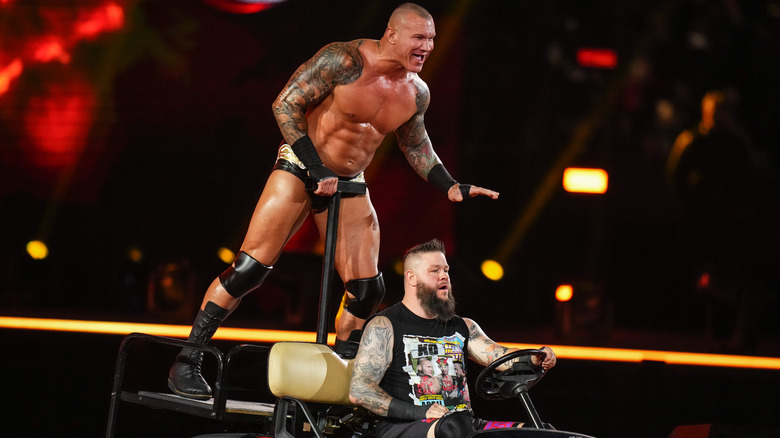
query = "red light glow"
{"x": 240, "y": 7}
{"x": 597, "y": 58}
{"x": 58, "y": 118}
{"x": 9, "y": 73}
{"x": 59, "y": 121}
{"x": 106, "y": 18}
{"x": 704, "y": 281}
{"x": 51, "y": 49}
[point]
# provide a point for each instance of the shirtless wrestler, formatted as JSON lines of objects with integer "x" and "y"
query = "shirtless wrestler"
{"x": 333, "y": 113}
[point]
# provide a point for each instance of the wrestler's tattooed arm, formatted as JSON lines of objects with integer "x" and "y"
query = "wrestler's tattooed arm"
{"x": 482, "y": 349}
{"x": 335, "y": 64}
{"x": 372, "y": 361}
{"x": 413, "y": 138}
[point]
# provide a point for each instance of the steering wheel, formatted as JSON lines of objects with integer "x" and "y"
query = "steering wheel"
{"x": 493, "y": 384}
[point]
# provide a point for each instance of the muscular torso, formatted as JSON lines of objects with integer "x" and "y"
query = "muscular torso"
{"x": 348, "y": 126}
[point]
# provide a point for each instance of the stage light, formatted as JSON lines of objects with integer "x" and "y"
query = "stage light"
{"x": 492, "y": 270}
{"x": 270, "y": 336}
{"x": 580, "y": 180}
{"x": 9, "y": 73}
{"x": 37, "y": 250}
{"x": 398, "y": 267}
{"x": 51, "y": 49}
{"x": 58, "y": 122}
{"x": 242, "y": 6}
{"x": 597, "y": 58}
{"x": 226, "y": 255}
{"x": 134, "y": 254}
{"x": 564, "y": 292}
{"x": 107, "y": 18}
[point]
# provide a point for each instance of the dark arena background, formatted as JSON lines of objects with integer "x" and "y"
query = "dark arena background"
{"x": 136, "y": 136}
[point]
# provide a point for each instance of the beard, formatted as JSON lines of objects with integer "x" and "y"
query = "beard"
{"x": 441, "y": 309}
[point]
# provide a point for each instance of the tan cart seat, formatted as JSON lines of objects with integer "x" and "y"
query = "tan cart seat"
{"x": 309, "y": 372}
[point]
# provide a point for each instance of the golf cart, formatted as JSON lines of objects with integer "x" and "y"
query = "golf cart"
{"x": 311, "y": 382}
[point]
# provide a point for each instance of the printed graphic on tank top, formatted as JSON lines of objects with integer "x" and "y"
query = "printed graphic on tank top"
{"x": 436, "y": 371}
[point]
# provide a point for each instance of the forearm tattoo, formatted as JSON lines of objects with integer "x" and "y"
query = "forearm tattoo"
{"x": 494, "y": 351}
{"x": 413, "y": 138}
{"x": 483, "y": 349}
{"x": 335, "y": 64}
{"x": 373, "y": 360}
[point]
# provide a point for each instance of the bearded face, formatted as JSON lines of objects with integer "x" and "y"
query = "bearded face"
{"x": 440, "y": 308}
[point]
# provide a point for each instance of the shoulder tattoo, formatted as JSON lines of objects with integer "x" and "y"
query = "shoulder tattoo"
{"x": 335, "y": 64}
{"x": 423, "y": 96}
{"x": 377, "y": 342}
{"x": 373, "y": 360}
{"x": 413, "y": 138}
{"x": 339, "y": 63}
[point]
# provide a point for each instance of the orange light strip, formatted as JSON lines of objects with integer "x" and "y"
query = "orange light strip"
{"x": 669, "y": 357}
{"x": 176, "y": 331}
{"x": 266, "y": 336}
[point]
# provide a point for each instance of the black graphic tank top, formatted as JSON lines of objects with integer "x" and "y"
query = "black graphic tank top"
{"x": 428, "y": 360}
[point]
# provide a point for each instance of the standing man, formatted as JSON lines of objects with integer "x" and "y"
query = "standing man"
{"x": 422, "y": 328}
{"x": 333, "y": 114}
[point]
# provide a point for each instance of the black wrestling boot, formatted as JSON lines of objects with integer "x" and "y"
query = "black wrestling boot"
{"x": 348, "y": 349}
{"x": 185, "y": 378}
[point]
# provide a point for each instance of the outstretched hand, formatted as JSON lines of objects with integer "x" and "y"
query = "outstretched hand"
{"x": 455, "y": 194}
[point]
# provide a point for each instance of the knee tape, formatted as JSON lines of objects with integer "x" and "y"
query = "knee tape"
{"x": 246, "y": 275}
{"x": 368, "y": 293}
{"x": 455, "y": 425}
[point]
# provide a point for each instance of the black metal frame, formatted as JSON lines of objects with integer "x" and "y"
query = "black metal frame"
{"x": 328, "y": 263}
{"x": 216, "y": 410}
{"x": 286, "y": 407}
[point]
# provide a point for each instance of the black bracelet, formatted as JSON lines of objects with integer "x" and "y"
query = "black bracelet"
{"x": 464, "y": 190}
{"x": 440, "y": 178}
{"x": 406, "y": 411}
{"x": 306, "y": 152}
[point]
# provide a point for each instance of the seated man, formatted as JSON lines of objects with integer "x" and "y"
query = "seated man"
{"x": 400, "y": 343}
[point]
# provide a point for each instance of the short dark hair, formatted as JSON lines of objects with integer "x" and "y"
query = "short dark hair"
{"x": 433, "y": 245}
{"x": 414, "y": 8}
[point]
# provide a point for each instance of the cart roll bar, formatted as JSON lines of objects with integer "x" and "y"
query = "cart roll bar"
{"x": 344, "y": 187}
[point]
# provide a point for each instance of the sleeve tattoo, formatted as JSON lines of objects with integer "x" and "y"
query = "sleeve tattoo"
{"x": 335, "y": 64}
{"x": 481, "y": 348}
{"x": 413, "y": 138}
{"x": 371, "y": 363}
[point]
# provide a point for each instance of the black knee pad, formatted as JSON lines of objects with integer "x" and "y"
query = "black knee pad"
{"x": 368, "y": 293}
{"x": 246, "y": 275}
{"x": 455, "y": 425}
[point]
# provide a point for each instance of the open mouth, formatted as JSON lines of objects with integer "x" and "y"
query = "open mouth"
{"x": 419, "y": 58}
